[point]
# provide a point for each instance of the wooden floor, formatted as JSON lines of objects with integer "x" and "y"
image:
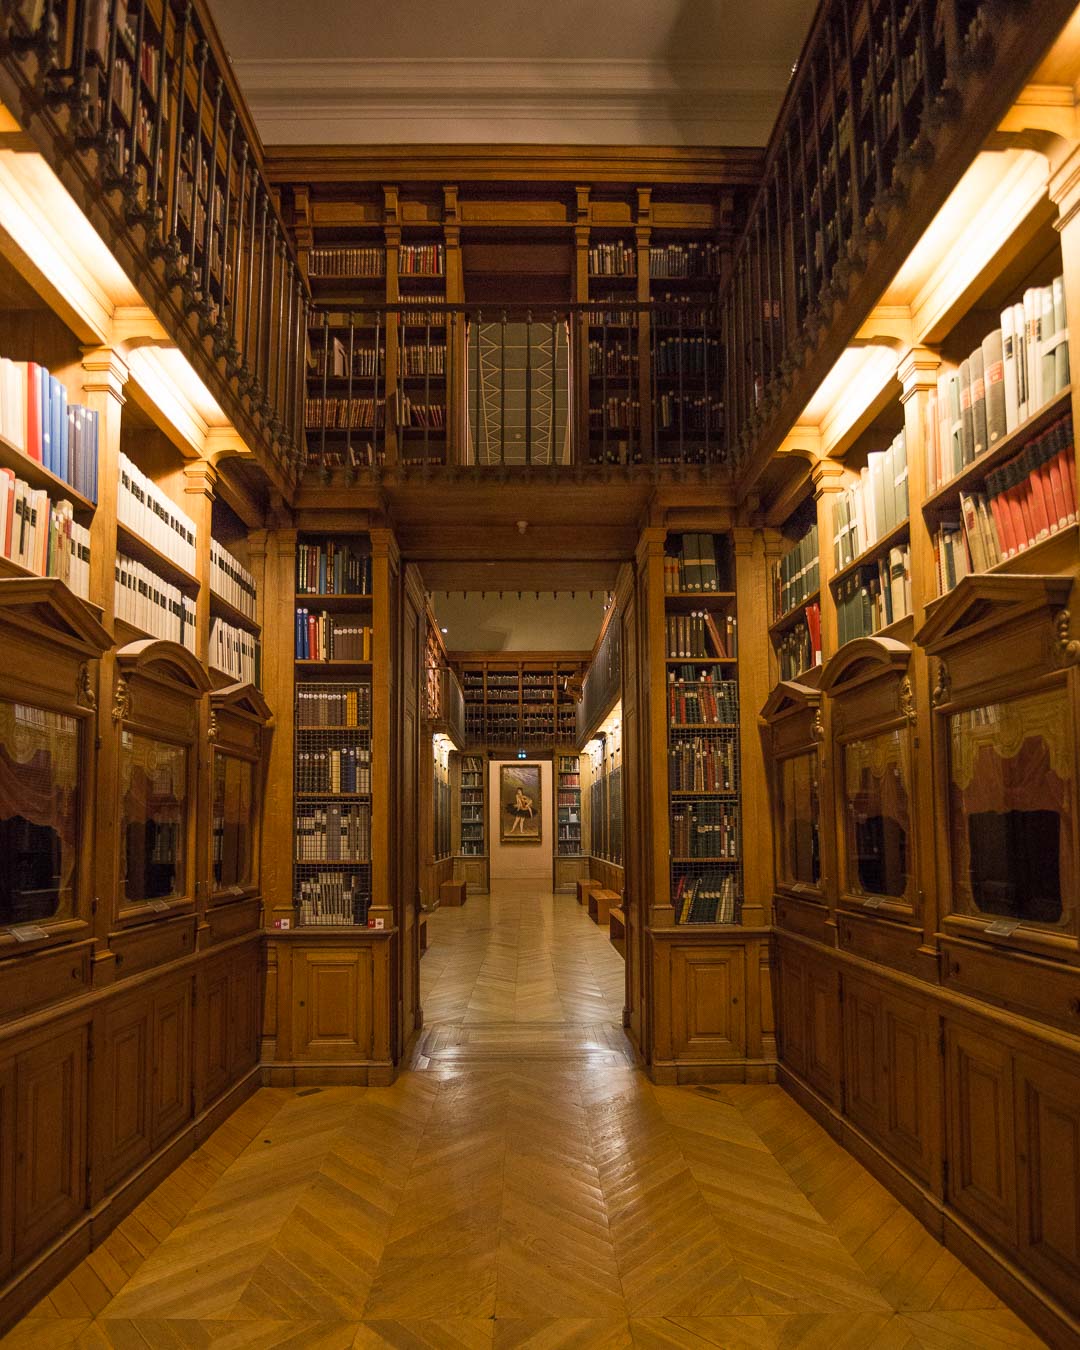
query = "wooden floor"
{"x": 522, "y": 1184}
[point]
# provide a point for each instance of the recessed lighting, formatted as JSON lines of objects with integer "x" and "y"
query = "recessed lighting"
{"x": 443, "y": 630}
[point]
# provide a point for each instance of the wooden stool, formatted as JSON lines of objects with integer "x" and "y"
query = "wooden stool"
{"x": 600, "y": 906}
{"x": 423, "y": 933}
{"x": 452, "y": 893}
{"x": 617, "y": 930}
{"x": 584, "y": 886}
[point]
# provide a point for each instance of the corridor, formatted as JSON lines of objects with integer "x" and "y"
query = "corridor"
{"x": 521, "y": 1184}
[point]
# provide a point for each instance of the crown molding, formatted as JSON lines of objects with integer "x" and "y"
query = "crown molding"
{"x": 346, "y": 101}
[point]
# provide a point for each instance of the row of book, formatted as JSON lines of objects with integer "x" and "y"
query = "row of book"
{"x": 235, "y": 652}
{"x": 148, "y": 512}
{"x": 612, "y": 259}
{"x": 343, "y": 414}
{"x": 331, "y": 637}
{"x": 1028, "y": 499}
{"x": 423, "y": 359}
{"x": 696, "y": 259}
{"x": 799, "y": 649}
{"x": 421, "y": 260}
{"x": 43, "y": 538}
{"x": 334, "y": 833}
{"x": 414, "y": 414}
{"x": 874, "y": 596}
{"x": 325, "y": 261}
{"x": 613, "y": 359}
{"x": 145, "y": 601}
{"x": 693, "y": 355}
{"x": 688, "y": 412}
{"x": 702, "y": 635}
{"x": 1016, "y": 370}
{"x": 797, "y": 575}
{"x": 874, "y": 506}
{"x": 690, "y": 564}
{"x": 232, "y": 581}
{"x": 321, "y": 706}
{"x": 332, "y": 568}
{"x": 333, "y": 357}
{"x": 37, "y": 419}
{"x": 703, "y": 764}
{"x": 707, "y": 897}
{"x": 617, "y": 414}
{"x": 705, "y": 830}
{"x": 331, "y": 771}
{"x": 698, "y": 700}
{"x": 332, "y": 899}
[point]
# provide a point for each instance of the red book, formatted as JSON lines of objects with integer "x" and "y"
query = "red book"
{"x": 813, "y": 623}
{"x": 313, "y": 637}
{"x": 1016, "y": 494}
{"x": 33, "y": 410}
{"x": 9, "y": 516}
{"x": 1037, "y": 497}
{"x": 1002, "y": 520}
{"x": 1066, "y": 459}
{"x": 1052, "y": 467}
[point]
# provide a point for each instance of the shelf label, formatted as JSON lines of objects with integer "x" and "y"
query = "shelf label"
{"x": 1002, "y": 927}
{"x": 28, "y": 933}
{"x": 283, "y": 923}
{"x": 159, "y": 905}
{"x": 873, "y": 902}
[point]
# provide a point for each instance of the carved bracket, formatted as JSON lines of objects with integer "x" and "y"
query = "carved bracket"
{"x": 1066, "y": 648}
{"x": 943, "y": 687}
{"x": 906, "y": 698}
{"x": 121, "y": 700}
{"x": 84, "y": 689}
{"x": 818, "y": 727}
{"x": 212, "y": 732}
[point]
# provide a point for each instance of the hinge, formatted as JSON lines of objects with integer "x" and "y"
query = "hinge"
{"x": 93, "y": 905}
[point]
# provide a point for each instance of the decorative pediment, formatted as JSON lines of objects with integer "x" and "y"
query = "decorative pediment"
{"x": 245, "y": 699}
{"x": 166, "y": 663}
{"x": 790, "y": 696}
{"x": 981, "y": 603}
{"x": 46, "y": 607}
{"x": 865, "y": 659}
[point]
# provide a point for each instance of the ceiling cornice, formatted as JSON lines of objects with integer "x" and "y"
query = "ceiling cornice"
{"x": 537, "y": 101}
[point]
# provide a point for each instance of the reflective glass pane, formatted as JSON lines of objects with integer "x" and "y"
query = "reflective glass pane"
{"x": 877, "y": 818}
{"x": 153, "y": 790}
{"x": 800, "y": 857}
{"x": 234, "y": 821}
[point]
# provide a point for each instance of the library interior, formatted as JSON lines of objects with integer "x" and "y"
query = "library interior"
{"x": 534, "y": 549}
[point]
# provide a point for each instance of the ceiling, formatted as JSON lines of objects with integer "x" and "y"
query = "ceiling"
{"x": 610, "y": 72}
{"x": 509, "y": 621}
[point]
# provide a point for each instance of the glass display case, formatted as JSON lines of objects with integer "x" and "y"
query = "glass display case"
{"x": 154, "y": 818}
{"x": 799, "y": 818}
{"x": 239, "y": 719}
{"x": 877, "y": 815}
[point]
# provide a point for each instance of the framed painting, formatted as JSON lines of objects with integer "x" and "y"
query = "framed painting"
{"x": 520, "y": 804}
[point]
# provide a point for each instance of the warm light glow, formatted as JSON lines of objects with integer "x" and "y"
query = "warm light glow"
{"x": 167, "y": 378}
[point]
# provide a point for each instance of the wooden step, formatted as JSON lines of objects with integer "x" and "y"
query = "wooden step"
{"x": 601, "y": 904}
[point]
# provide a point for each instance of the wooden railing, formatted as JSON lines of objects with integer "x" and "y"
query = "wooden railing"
{"x": 887, "y": 100}
{"x": 134, "y": 104}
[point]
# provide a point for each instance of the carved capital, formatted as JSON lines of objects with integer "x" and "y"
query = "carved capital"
{"x": 121, "y": 700}
{"x": 84, "y": 689}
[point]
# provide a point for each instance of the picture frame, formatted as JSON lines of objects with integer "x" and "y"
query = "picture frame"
{"x": 520, "y": 804}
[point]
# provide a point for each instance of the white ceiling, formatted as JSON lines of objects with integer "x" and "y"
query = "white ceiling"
{"x": 630, "y": 72}
{"x": 507, "y": 622}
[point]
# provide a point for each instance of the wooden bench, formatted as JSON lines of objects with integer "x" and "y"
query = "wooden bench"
{"x": 452, "y": 894}
{"x": 617, "y": 930}
{"x": 601, "y": 904}
{"x": 584, "y": 886}
{"x": 423, "y": 933}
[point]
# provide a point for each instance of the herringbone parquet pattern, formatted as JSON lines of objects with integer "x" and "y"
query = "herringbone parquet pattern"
{"x": 521, "y": 1185}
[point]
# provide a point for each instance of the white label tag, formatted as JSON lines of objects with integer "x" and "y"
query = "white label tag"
{"x": 30, "y": 933}
{"x": 159, "y": 905}
{"x": 872, "y": 902}
{"x": 1002, "y": 927}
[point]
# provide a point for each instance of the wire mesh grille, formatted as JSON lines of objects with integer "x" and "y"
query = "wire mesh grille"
{"x": 704, "y": 783}
{"x": 332, "y": 784}
{"x": 472, "y": 806}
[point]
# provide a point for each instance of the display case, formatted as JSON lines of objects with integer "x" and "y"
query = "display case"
{"x": 159, "y": 686}
{"x": 1005, "y": 764}
{"x": 48, "y": 701}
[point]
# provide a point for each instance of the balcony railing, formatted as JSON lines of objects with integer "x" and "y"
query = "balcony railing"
{"x": 888, "y": 98}
{"x": 431, "y": 385}
{"x": 135, "y": 98}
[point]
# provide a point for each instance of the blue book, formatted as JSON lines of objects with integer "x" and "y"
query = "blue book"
{"x": 64, "y": 458}
{"x": 299, "y": 654}
{"x": 92, "y": 446}
{"x": 44, "y": 379}
{"x": 322, "y": 572}
{"x": 54, "y": 425}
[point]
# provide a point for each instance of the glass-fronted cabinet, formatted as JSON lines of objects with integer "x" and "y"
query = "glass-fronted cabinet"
{"x": 239, "y": 730}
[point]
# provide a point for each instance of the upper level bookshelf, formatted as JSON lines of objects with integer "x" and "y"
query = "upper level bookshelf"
{"x": 519, "y": 702}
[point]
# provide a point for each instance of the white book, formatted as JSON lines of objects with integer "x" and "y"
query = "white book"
{"x": 1012, "y": 387}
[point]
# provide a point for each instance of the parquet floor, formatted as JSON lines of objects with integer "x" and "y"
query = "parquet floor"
{"x": 521, "y": 1185}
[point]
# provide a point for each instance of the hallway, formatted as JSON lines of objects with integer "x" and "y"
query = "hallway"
{"x": 521, "y": 1184}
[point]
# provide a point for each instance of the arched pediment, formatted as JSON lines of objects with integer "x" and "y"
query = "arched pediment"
{"x": 45, "y": 606}
{"x": 790, "y": 696}
{"x": 863, "y": 660}
{"x": 981, "y": 603}
{"x": 245, "y": 699}
{"x": 166, "y": 662}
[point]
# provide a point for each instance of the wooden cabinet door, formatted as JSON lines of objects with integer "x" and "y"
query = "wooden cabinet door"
{"x": 708, "y": 1002}
{"x": 332, "y": 999}
{"x": 50, "y": 1140}
{"x": 170, "y": 1096}
{"x": 122, "y": 1088}
{"x": 244, "y": 1013}
{"x": 213, "y": 1033}
{"x": 912, "y": 1087}
{"x": 980, "y": 1146}
{"x": 7, "y": 1167}
{"x": 1048, "y": 1144}
{"x": 864, "y": 1057}
{"x": 792, "y": 989}
{"x": 822, "y": 1028}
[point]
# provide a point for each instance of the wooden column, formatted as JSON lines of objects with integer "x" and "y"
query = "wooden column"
{"x": 104, "y": 376}
{"x": 752, "y": 598}
{"x": 579, "y": 427}
{"x": 278, "y": 591}
{"x": 829, "y": 478}
{"x": 392, "y": 218}
{"x": 386, "y": 567}
{"x": 656, "y": 905}
{"x": 200, "y": 478}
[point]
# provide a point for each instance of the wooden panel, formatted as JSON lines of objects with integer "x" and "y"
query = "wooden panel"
{"x": 822, "y": 1029}
{"x": 122, "y": 1088}
{"x": 331, "y": 1004}
{"x": 912, "y": 1085}
{"x": 213, "y": 1031}
{"x": 7, "y": 1166}
{"x": 244, "y": 1019}
{"x": 864, "y": 1056}
{"x": 29, "y": 982}
{"x": 152, "y": 944}
{"x": 170, "y": 1076}
{"x": 50, "y": 1135}
{"x": 1013, "y": 980}
{"x": 1048, "y": 1142}
{"x": 708, "y": 1002}
{"x": 793, "y": 1011}
{"x": 981, "y": 1145}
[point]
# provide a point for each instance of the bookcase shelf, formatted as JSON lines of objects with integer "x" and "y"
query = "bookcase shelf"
{"x": 39, "y": 477}
{"x": 310, "y": 600}
{"x": 792, "y": 617}
{"x": 899, "y": 534}
{"x": 136, "y": 547}
{"x": 222, "y": 609}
